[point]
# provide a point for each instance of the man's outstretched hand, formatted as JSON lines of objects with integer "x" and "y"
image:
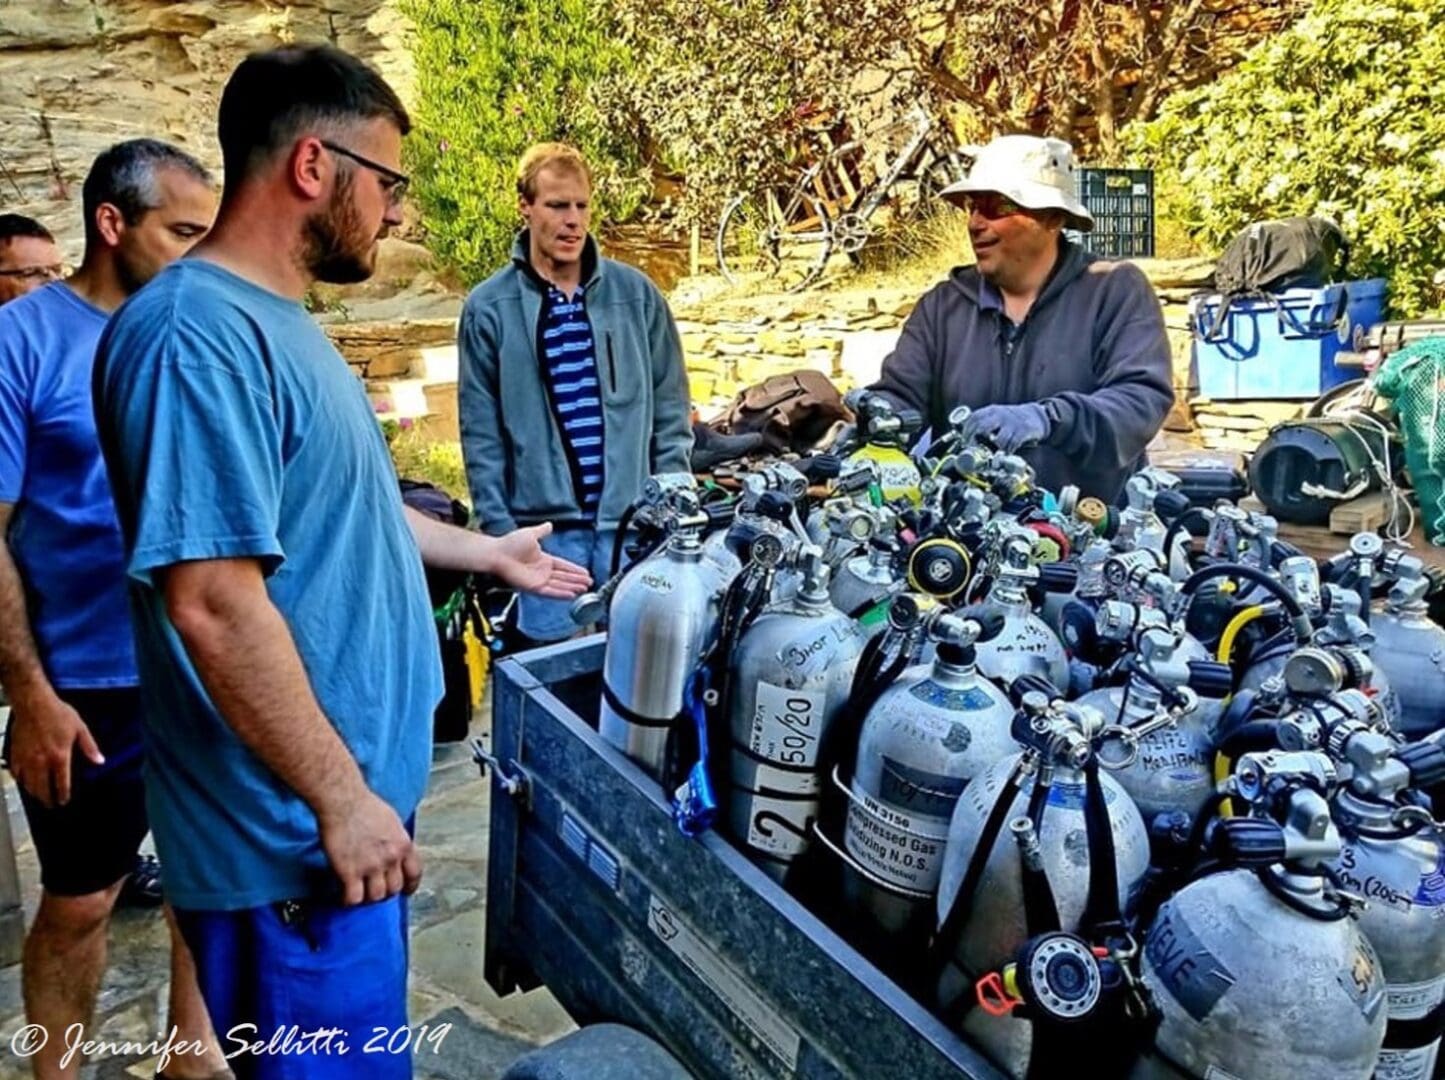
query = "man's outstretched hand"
{"x": 522, "y": 564}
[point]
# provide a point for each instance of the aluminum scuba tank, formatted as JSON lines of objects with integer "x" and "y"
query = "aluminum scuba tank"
{"x": 1089, "y": 589}
{"x": 1259, "y": 971}
{"x": 886, "y": 430}
{"x": 663, "y": 618}
{"x": 1170, "y": 764}
{"x": 791, "y": 673}
{"x": 1394, "y": 857}
{"x": 1026, "y": 646}
{"x": 922, "y": 742}
{"x": 1410, "y": 649}
{"x": 865, "y": 583}
{"x": 1021, "y": 848}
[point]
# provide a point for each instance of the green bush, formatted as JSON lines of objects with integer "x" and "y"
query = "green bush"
{"x": 1341, "y": 115}
{"x": 493, "y": 77}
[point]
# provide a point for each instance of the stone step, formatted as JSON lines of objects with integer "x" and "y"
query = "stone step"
{"x": 417, "y": 403}
{"x": 396, "y": 350}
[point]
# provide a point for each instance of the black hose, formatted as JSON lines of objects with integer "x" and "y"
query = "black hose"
{"x": 1253, "y": 735}
{"x": 1250, "y": 573}
{"x": 1333, "y": 914}
{"x": 620, "y": 540}
{"x": 1181, "y": 523}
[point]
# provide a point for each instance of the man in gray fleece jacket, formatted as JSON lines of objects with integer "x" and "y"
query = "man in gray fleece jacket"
{"x": 1062, "y": 356}
{"x": 572, "y": 386}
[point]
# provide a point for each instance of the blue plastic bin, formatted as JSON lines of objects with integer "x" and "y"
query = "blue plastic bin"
{"x": 1283, "y": 346}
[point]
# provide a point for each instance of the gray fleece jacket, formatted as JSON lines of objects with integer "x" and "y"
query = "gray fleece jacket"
{"x": 1092, "y": 350}
{"x": 517, "y": 466}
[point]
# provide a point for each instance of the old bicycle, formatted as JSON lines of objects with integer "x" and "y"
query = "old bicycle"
{"x": 785, "y": 234}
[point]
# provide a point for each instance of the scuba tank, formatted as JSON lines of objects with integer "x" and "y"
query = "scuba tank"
{"x": 921, "y": 742}
{"x": 767, "y": 505}
{"x": 885, "y": 431}
{"x": 1167, "y": 728}
{"x": 1393, "y": 855}
{"x": 1410, "y": 649}
{"x": 864, "y": 584}
{"x": 1043, "y": 843}
{"x": 1258, "y": 970}
{"x": 1025, "y": 646}
{"x": 663, "y": 618}
{"x": 1089, "y": 587}
{"x": 791, "y": 673}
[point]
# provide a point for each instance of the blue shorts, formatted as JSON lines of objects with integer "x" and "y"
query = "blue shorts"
{"x": 305, "y": 990}
{"x": 550, "y": 620}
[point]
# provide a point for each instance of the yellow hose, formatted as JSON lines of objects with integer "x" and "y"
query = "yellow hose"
{"x": 1236, "y": 624}
{"x": 1222, "y": 765}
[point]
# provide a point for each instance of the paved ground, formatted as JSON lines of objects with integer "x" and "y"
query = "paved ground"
{"x": 447, "y": 933}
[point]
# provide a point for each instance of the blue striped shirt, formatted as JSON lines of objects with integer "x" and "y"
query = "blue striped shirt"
{"x": 569, "y": 359}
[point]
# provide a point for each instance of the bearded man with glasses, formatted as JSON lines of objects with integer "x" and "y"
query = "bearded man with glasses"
{"x": 1062, "y": 355}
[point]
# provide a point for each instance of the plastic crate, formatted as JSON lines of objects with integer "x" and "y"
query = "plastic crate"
{"x": 1122, "y": 203}
{"x": 1282, "y": 346}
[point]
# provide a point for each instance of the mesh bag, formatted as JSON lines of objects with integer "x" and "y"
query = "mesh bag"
{"x": 1414, "y": 378}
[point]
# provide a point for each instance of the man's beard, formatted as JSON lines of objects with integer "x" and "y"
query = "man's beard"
{"x": 335, "y": 249}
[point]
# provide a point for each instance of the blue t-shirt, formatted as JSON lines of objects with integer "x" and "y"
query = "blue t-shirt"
{"x": 64, "y": 537}
{"x": 233, "y": 428}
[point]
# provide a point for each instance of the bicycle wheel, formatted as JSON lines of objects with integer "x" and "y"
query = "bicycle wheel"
{"x": 777, "y": 237}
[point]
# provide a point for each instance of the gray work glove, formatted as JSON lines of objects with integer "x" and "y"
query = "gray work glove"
{"x": 1012, "y": 427}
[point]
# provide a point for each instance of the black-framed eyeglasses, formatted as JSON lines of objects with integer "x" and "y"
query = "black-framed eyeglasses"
{"x": 392, "y": 182}
{"x": 36, "y": 273}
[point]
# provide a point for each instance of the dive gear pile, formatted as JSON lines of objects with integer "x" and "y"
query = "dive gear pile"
{"x": 1140, "y": 786}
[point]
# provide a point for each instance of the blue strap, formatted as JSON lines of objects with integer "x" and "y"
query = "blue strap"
{"x": 694, "y": 805}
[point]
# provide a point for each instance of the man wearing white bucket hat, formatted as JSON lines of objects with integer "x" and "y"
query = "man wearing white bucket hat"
{"x": 1062, "y": 355}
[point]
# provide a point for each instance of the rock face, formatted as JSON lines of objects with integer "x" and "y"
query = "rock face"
{"x": 79, "y": 75}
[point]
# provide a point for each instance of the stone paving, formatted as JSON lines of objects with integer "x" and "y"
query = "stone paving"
{"x": 447, "y": 919}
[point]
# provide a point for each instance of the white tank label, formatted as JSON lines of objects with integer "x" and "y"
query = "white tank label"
{"x": 779, "y": 826}
{"x": 902, "y": 848}
{"x": 1411, "y": 1001}
{"x": 786, "y": 725}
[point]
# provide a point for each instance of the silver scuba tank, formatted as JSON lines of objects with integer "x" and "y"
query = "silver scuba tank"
{"x": 865, "y": 583}
{"x": 663, "y": 618}
{"x": 1026, "y": 646}
{"x": 1089, "y": 586}
{"x": 1170, "y": 763}
{"x": 791, "y": 673}
{"x": 1258, "y": 971}
{"x": 927, "y": 736}
{"x": 1410, "y": 649}
{"x": 1048, "y": 832}
{"x": 1398, "y": 866}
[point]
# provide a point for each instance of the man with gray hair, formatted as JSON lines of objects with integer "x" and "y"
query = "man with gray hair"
{"x": 1061, "y": 355}
{"x": 67, "y": 661}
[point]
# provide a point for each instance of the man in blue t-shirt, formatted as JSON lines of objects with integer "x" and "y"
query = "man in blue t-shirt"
{"x": 288, "y": 656}
{"x": 66, "y": 655}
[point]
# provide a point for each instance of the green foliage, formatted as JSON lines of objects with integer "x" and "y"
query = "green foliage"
{"x": 418, "y": 458}
{"x": 1341, "y": 115}
{"x": 724, "y": 90}
{"x": 495, "y": 76}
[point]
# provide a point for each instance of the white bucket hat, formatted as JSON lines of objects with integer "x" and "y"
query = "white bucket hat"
{"x": 1037, "y": 173}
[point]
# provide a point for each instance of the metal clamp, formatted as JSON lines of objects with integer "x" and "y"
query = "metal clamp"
{"x": 512, "y": 778}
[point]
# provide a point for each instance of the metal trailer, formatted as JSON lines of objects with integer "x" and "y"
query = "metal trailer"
{"x": 592, "y": 890}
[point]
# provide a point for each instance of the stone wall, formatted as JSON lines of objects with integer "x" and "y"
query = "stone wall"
{"x": 733, "y": 343}
{"x": 78, "y": 75}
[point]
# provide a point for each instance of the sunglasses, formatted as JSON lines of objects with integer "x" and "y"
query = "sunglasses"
{"x": 992, "y": 206}
{"x": 393, "y": 183}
